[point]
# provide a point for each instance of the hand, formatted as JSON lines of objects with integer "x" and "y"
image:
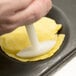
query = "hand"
{"x": 20, "y": 12}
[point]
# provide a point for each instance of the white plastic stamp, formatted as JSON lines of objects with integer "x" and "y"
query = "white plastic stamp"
{"x": 37, "y": 48}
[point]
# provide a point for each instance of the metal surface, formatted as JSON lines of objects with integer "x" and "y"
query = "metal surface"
{"x": 63, "y": 12}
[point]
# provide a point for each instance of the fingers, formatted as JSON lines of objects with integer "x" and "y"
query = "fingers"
{"x": 32, "y": 11}
{"x": 19, "y": 4}
{"x": 4, "y": 28}
{"x": 36, "y": 10}
{"x": 14, "y": 6}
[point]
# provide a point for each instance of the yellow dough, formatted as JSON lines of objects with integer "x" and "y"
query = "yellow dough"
{"x": 46, "y": 29}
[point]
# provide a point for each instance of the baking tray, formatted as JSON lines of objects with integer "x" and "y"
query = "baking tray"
{"x": 11, "y": 67}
